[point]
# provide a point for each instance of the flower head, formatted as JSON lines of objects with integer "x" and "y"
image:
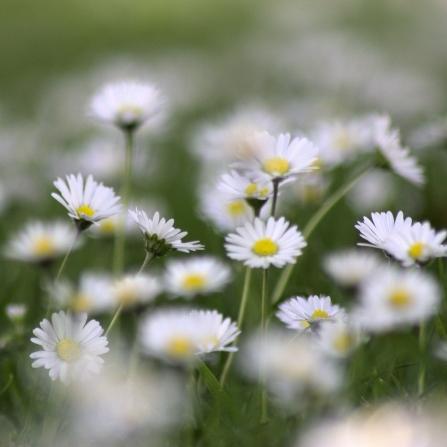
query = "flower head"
{"x": 160, "y": 235}
{"x": 72, "y": 349}
{"x": 131, "y": 291}
{"x": 86, "y": 204}
{"x": 127, "y": 105}
{"x": 237, "y": 186}
{"x": 338, "y": 338}
{"x": 261, "y": 244}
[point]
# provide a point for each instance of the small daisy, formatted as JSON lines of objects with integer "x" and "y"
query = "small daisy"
{"x": 41, "y": 242}
{"x": 261, "y": 244}
{"x": 89, "y": 204}
{"x": 382, "y": 226}
{"x": 350, "y": 267}
{"x": 388, "y": 142}
{"x": 299, "y": 313}
{"x": 196, "y": 276}
{"x": 279, "y": 158}
{"x": 132, "y": 291}
{"x": 16, "y": 312}
{"x": 127, "y": 104}
{"x": 237, "y": 186}
{"x": 71, "y": 348}
{"x": 416, "y": 244}
{"x": 338, "y": 338}
{"x": 394, "y": 297}
{"x": 161, "y": 236}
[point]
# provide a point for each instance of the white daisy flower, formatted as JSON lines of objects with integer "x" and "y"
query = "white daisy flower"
{"x": 299, "y": 313}
{"x": 382, "y": 226}
{"x": 71, "y": 348}
{"x": 16, "y": 312}
{"x": 178, "y": 335}
{"x": 261, "y": 244}
{"x": 89, "y": 204}
{"x": 41, "y": 242}
{"x": 394, "y": 297}
{"x": 224, "y": 214}
{"x": 133, "y": 290}
{"x": 127, "y": 104}
{"x": 278, "y": 158}
{"x": 196, "y": 276}
{"x": 352, "y": 266}
{"x": 338, "y": 338}
{"x": 161, "y": 236}
{"x": 237, "y": 186}
{"x": 416, "y": 244}
{"x": 388, "y": 142}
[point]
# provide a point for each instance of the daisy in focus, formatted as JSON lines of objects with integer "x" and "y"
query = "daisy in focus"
{"x": 261, "y": 244}
{"x": 196, "y": 276}
{"x": 86, "y": 204}
{"x": 392, "y": 298}
{"x": 299, "y": 313}
{"x": 160, "y": 235}
{"x": 127, "y": 105}
{"x": 41, "y": 242}
{"x": 72, "y": 348}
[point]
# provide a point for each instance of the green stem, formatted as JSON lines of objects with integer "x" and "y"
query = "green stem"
{"x": 264, "y": 311}
{"x": 240, "y": 320}
{"x": 421, "y": 378}
{"x": 45, "y": 425}
{"x": 310, "y": 227}
{"x": 276, "y": 183}
{"x": 120, "y": 235}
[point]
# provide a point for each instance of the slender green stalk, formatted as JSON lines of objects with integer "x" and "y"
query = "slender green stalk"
{"x": 264, "y": 311}
{"x": 45, "y": 426}
{"x": 149, "y": 258}
{"x": 240, "y": 320}
{"x": 276, "y": 183}
{"x": 310, "y": 227}
{"x": 120, "y": 235}
{"x": 421, "y": 378}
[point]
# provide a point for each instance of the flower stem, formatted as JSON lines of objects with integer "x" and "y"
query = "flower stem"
{"x": 276, "y": 183}
{"x": 44, "y": 436}
{"x": 421, "y": 378}
{"x": 240, "y": 320}
{"x": 262, "y": 376}
{"x": 310, "y": 227}
{"x": 120, "y": 235}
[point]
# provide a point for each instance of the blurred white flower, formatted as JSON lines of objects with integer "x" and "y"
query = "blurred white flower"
{"x": 16, "y": 312}
{"x": 338, "y": 338}
{"x": 131, "y": 290}
{"x": 237, "y": 186}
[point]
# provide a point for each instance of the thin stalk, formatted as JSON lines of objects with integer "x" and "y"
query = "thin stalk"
{"x": 276, "y": 183}
{"x": 262, "y": 377}
{"x": 120, "y": 235}
{"x": 149, "y": 258}
{"x": 421, "y": 378}
{"x": 44, "y": 435}
{"x": 310, "y": 227}
{"x": 240, "y": 319}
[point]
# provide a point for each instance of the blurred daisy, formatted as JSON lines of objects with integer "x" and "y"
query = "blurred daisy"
{"x": 278, "y": 158}
{"x": 72, "y": 349}
{"x": 388, "y": 142}
{"x": 338, "y": 338}
{"x": 196, "y": 276}
{"x": 133, "y": 290}
{"x": 382, "y": 226}
{"x": 161, "y": 236}
{"x": 237, "y": 186}
{"x": 127, "y": 104}
{"x": 299, "y": 313}
{"x": 109, "y": 226}
{"x": 261, "y": 244}
{"x": 89, "y": 204}
{"x": 416, "y": 244}
{"x": 16, "y": 312}
{"x": 393, "y": 297}
{"x": 350, "y": 267}
{"x": 41, "y": 242}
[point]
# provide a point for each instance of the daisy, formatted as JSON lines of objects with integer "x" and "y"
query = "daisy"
{"x": 261, "y": 244}
{"x": 41, "y": 242}
{"x": 133, "y": 290}
{"x": 86, "y": 205}
{"x": 382, "y": 226}
{"x": 350, "y": 267}
{"x": 127, "y": 104}
{"x": 394, "y": 297}
{"x": 416, "y": 244}
{"x": 338, "y": 338}
{"x": 71, "y": 348}
{"x": 277, "y": 159}
{"x": 237, "y": 186}
{"x": 299, "y": 313}
{"x": 387, "y": 141}
{"x": 161, "y": 236}
{"x": 196, "y": 276}
{"x": 16, "y": 312}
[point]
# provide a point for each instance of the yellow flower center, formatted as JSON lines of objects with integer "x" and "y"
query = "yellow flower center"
{"x": 43, "y": 246}
{"x": 68, "y": 350}
{"x": 81, "y": 303}
{"x": 107, "y": 226}
{"x": 416, "y": 250}
{"x": 251, "y": 189}
{"x": 86, "y": 210}
{"x": 236, "y": 208}
{"x": 126, "y": 296}
{"x": 263, "y": 192}
{"x": 276, "y": 166}
{"x": 180, "y": 346}
{"x": 400, "y": 298}
{"x": 343, "y": 343}
{"x": 265, "y": 247}
{"x": 342, "y": 140}
{"x": 305, "y": 324}
{"x": 320, "y": 314}
{"x": 194, "y": 281}
{"x": 130, "y": 110}
{"x": 210, "y": 339}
